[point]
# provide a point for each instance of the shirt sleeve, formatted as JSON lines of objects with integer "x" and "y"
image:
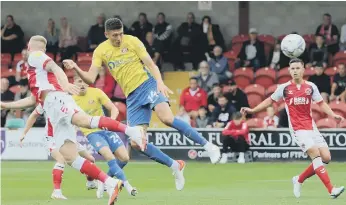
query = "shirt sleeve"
{"x": 316, "y": 96}
{"x": 38, "y": 59}
{"x": 139, "y": 47}
{"x": 103, "y": 97}
{"x": 39, "y": 109}
{"x": 97, "y": 58}
{"x": 278, "y": 94}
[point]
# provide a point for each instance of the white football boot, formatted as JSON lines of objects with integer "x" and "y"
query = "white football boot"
{"x": 336, "y": 192}
{"x": 179, "y": 175}
{"x": 114, "y": 187}
{"x": 214, "y": 153}
{"x": 224, "y": 158}
{"x": 91, "y": 185}
{"x": 57, "y": 194}
{"x": 296, "y": 186}
{"x": 100, "y": 189}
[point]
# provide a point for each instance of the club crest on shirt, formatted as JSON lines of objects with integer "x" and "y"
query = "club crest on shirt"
{"x": 124, "y": 50}
{"x": 290, "y": 92}
{"x": 308, "y": 91}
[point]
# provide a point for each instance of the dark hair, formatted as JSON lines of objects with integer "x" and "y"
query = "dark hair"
{"x": 193, "y": 78}
{"x": 113, "y": 24}
{"x": 319, "y": 35}
{"x": 10, "y": 16}
{"x": 319, "y": 65}
{"x": 192, "y": 14}
{"x": 206, "y": 17}
{"x": 237, "y": 116}
{"x": 296, "y": 60}
{"x": 142, "y": 14}
{"x": 162, "y": 14}
{"x": 216, "y": 85}
{"x": 222, "y": 96}
{"x": 327, "y": 14}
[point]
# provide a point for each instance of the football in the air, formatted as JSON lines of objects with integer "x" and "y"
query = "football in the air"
{"x": 293, "y": 45}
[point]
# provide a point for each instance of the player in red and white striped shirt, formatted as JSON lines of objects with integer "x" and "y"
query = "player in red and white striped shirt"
{"x": 298, "y": 95}
{"x": 50, "y": 87}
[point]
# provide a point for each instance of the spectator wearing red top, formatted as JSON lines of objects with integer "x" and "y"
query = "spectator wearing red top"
{"x": 193, "y": 97}
{"x": 271, "y": 120}
{"x": 235, "y": 137}
{"x": 105, "y": 82}
{"x": 22, "y": 66}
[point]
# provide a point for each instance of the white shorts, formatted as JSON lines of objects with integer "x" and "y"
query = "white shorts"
{"x": 307, "y": 139}
{"x": 51, "y": 145}
{"x": 59, "y": 108}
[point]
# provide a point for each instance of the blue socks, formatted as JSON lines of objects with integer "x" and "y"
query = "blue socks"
{"x": 121, "y": 164}
{"x": 157, "y": 155}
{"x": 115, "y": 170}
{"x": 188, "y": 131}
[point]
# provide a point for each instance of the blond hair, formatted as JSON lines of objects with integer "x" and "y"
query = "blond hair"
{"x": 39, "y": 39}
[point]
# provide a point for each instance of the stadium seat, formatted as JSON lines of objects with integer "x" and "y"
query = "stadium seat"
{"x": 70, "y": 73}
{"x": 338, "y": 107}
{"x": 309, "y": 72}
{"x": 331, "y": 71}
{"x": 7, "y": 73}
{"x": 17, "y": 57}
{"x": 280, "y": 105}
{"x": 283, "y": 76}
{"x": 5, "y": 58}
{"x": 254, "y": 99}
{"x": 84, "y": 67}
{"x": 230, "y": 55}
{"x": 122, "y": 111}
{"x": 236, "y": 48}
{"x": 261, "y": 114}
{"x": 243, "y": 77}
{"x": 84, "y": 58}
{"x": 309, "y": 39}
{"x": 268, "y": 39}
{"x": 239, "y": 39}
{"x": 339, "y": 57}
{"x": 342, "y": 124}
{"x": 231, "y": 65}
{"x": 82, "y": 43}
{"x": 317, "y": 113}
{"x": 255, "y": 94}
{"x": 254, "y": 123}
{"x": 271, "y": 90}
{"x": 15, "y": 89}
{"x": 281, "y": 37}
{"x": 326, "y": 123}
{"x": 265, "y": 77}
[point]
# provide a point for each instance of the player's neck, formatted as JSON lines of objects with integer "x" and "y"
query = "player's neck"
{"x": 298, "y": 81}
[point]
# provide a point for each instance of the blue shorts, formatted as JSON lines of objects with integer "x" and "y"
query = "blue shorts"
{"x": 105, "y": 138}
{"x": 141, "y": 102}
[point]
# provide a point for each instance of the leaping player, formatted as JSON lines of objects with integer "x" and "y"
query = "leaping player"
{"x": 144, "y": 89}
{"x": 298, "y": 95}
{"x": 50, "y": 87}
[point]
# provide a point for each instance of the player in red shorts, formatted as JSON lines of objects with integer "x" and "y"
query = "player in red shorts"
{"x": 298, "y": 95}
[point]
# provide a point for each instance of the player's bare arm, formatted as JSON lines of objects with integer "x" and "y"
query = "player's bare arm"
{"x": 88, "y": 77}
{"x": 19, "y": 104}
{"x": 62, "y": 78}
{"x": 263, "y": 105}
{"x": 154, "y": 70}
{"x": 29, "y": 124}
{"x": 326, "y": 109}
{"x": 112, "y": 109}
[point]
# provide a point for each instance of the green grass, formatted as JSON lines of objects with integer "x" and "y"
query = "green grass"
{"x": 29, "y": 183}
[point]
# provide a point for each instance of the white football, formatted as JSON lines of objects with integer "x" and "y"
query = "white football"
{"x": 293, "y": 45}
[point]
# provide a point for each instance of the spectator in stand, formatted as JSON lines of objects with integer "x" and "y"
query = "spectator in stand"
{"x": 105, "y": 82}
{"x": 154, "y": 48}
{"x": 330, "y": 33}
{"x": 163, "y": 32}
{"x": 271, "y": 120}
{"x": 274, "y": 57}
{"x": 322, "y": 81}
{"x": 141, "y": 27}
{"x": 189, "y": 40}
{"x": 206, "y": 79}
{"x": 118, "y": 94}
{"x": 252, "y": 52}
{"x": 6, "y": 96}
{"x": 283, "y": 118}
{"x": 67, "y": 40}
{"x": 23, "y": 93}
{"x": 236, "y": 96}
{"x": 235, "y": 138}
{"x": 222, "y": 113}
{"x": 343, "y": 38}
{"x": 52, "y": 35}
{"x": 12, "y": 37}
{"x": 193, "y": 97}
{"x": 202, "y": 121}
{"x": 212, "y": 99}
{"x": 126, "y": 29}
{"x": 219, "y": 65}
{"x": 96, "y": 34}
{"x": 22, "y": 66}
{"x": 343, "y": 96}
{"x": 339, "y": 83}
{"x": 183, "y": 115}
{"x": 318, "y": 52}
{"x": 212, "y": 35}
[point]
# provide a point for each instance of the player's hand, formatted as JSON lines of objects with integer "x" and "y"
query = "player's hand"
{"x": 72, "y": 89}
{"x": 246, "y": 110}
{"x": 162, "y": 88}
{"x": 4, "y": 105}
{"x": 339, "y": 117}
{"x": 21, "y": 139}
{"x": 69, "y": 64}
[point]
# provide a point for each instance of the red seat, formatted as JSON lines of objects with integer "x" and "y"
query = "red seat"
{"x": 268, "y": 39}
{"x": 331, "y": 71}
{"x": 326, "y": 123}
{"x": 254, "y": 99}
{"x": 7, "y": 72}
{"x": 5, "y": 58}
{"x": 84, "y": 67}
{"x": 236, "y": 48}
{"x": 283, "y": 76}
{"x": 82, "y": 43}
{"x": 317, "y": 113}
{"x": 339, "y": 57}
{"x": 122, "y": 111}
{"x": 342, "y": 124}
{"x": 271, "y": 90}
{"x": 17, "y": 57}
{"x": 84, "y": 58}
{"x": 281, "y": 37}
{"x": 230, "y": 55}
{"x": 309, "y": 39}
{"x": 261, "y": 114}
{"x": 231, "y": 65}
{"x": 338, "y": 107}
{"x": 240, "y": 39}
{"x": 243, "y": 77}
{"x": 70, "y": 73}
{"x": 265, "y": 77}
{"x": 255, "y": 94}
{"x": 309, "y": 72}
{"x": 281, "y": 105}
{"x": 254, "y": 123}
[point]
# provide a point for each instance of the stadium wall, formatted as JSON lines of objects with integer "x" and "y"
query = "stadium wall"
{"x": 274, "y": 18}
{"x": 266, "y": 145}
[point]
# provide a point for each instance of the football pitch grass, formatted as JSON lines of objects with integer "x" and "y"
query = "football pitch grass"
{"x": 30, "y": 183}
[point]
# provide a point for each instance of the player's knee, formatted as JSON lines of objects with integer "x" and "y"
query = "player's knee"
{"x": 167, "y": 120}
{"x": 124, "y": 158}
{"x": 326, "y": 158}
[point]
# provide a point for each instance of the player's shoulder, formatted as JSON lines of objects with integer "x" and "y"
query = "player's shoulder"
{"x": 284, "y": 85}
{"x": 94, "y": 91}
{"x": 129, "y": 38}
{"x": 37, "y": 57}
{"x": 104, "y": 45}
{"x": 310, "y": 83}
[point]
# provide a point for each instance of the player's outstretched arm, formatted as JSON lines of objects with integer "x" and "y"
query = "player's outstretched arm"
{"x": 29, "y": 124}
{"x": 19, "y": 104}
{"x": 109, "y": 105}
{"x": 263, "y": 105}
{"x": 325, "y": 108}
{"x": 88, "y": 77}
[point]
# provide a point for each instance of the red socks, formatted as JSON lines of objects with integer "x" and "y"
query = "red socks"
{"x": 308, "y": 172}
{"x": 322, "y": 173}
{"x": 112, "y": 125}
{"x": 93, "y": 171}
{"x": 57, "y": 173}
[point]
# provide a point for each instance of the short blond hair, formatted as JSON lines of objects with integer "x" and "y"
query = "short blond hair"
{"x": 39, "y": 39}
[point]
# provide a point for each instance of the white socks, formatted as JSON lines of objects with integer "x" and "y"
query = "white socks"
{"x": 59, "y": 166}
{"x": 175, "y": 166}
{"x": 207, "y": 146}
{"x": 94, "y": 123}
{"x": 78, "y": 163}
{"x": 317, "y": 162}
